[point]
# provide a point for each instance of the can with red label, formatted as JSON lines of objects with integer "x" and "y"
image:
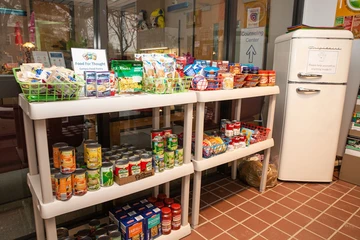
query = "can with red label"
{"x": 242, "y": 138}
{"x": 229, "y": 129}
{"x": 237, "y": 126}
{"x": 236, "y": 142}
{"x": 167, "y": 131}
{"x": 156, "y": 132}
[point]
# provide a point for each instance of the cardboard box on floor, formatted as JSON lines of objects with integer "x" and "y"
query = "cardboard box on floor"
{"x": 350, "y": 169}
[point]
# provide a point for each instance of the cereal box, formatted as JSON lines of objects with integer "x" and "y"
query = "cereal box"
{"x": 129, "y": 74}
{"x": 152, "y": 223}
{"x": 132, "y": 228}
{"x": 103, "y": 88}
{"x": 90, "y": 80}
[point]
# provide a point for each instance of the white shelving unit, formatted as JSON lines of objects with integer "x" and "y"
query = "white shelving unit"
{"x": 201, "y": 164}
{"x": 46, "y": 207}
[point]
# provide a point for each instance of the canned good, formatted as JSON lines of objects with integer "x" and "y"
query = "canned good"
{"x": 67, "y": 160}
{"x": 82, "y": 234}
{"x": 158, "y": 145}
{"x": 93, "y": 179}
{"x": 63, "y": 186}
{"x": 172, "y": 142}
{"x": 134, "y": 165}
{"x": 128, "y": 154}
{"x": 179, "y": 156}
{"x": 242, "y": 140}
{"x": 104, "y": 237}
{"x": 138, "y": 153}
{"x": 113, "y": 159}
{"x": 107, "y": 155}
{"x": 100, "y": 232}
{"x": 159, "y": 162}
{"x": 223, "y": 125}
{"x": 115, "y": 235}
{"x": 53, "y": 171}
{"x": 94, "y": 156}
{"x": 146, "y": 162}
{"x": 86, "y": 142}
{"x": 62, "y": 232}
{"x": 237, "y": 126}
{"x": 115, "y": 147}
{"x": 56, "y": 153}
{"x": 156, "y": 133}
{"x": 122, "y": 168}
{"x": 106, "y": 174}
{"x": 103, "y": 150}
{"x": 93, "y": 225}
{"x": 169, "y": 159}
{"x": 167, "y": 131}
{"x": 229, "y": 130}
{"x": 121, "y": 150}
{"x": 112, "y": 228}
{"x": 131, "y": 149}
{"x": 126, "y": 145}
{"x": 236, "y": 142}
{"x": 78, "y": 179}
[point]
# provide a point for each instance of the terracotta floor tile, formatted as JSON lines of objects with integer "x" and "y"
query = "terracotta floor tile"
{"x": 317, "y": 204}
{"x": 233, "y": 187}
{"x": 255, "y": 224}
{"x": 330, "y": 221}
{"x": 340, "y": 236}
{"x": 223, "y": 182}
{"x": 308, "y": 211}
{"x": 235, "y": 199}
{"x": 351, "y": 231}
{"x": 354, "y": 193}
{"x": 346, "y": 206}
{"x": 346, "y": 184}
{"x": 355, "y": 220}
{"x": 272, "y": 195}
{"x": 339, "y": 188}
{"x": 286, "y": 226}
{"x": 267, "y": 216}
{"x": 209, "y": 198}
{"x": 282, "y": 190}
{"x": 238, "y": 214}
{"x": 325, "y": 198}
{"x": 273, "y": 233}
{"x": 241, "y": 232}
{"x": 209, "y": 230}
{"x": 317, "y": 186}
{"x": 335, "y": 212}
{"x": 291, "y": 185}
{"x": 298, "y": 219}
{"x": 259, "y": 237}
{"x": 352, "y": 200}
{"x": 331, "y": 192}
{"x": 307, "y": 191}
{"x": 279, "y": 209}
{"x": 289, "y": 203}
{"x": 247, "y": 194}
{"x": 221, "y": 192}
{"x": 250, "y": 207}
{"x": 193, "y": 236}
{"x": 224, "y": 236}
{"x": 261, "y": 201}
{"x": 222, "y": 206}
{"x": 320, "y": 229}
{"x": 210, "y": 213}
{"x": 298, "y": 197}
{"x": 210, "y": 187}
{"x": 201, "y": 220}
{"x": 224, "y": 222}
{"x": 306, "y": 235}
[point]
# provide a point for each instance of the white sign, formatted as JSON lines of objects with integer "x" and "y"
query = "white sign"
{"x": 57, "y": 59}
{"x": 41, "y": 57}
{"x": 89, "y": 60}
{"x": 322, "y": 61}
{"x": 252, "y": 42}
{"x": 253, "y": 16}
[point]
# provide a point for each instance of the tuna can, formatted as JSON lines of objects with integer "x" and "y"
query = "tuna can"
{"x": 112, "y": 228}
{"x": 67, "y": 160}
{"x": 169, "y": 159}
{"x": 115, "y": 147}
{"x": 56, "y": 153}
{"x": 93, "y": 179}
{"x": 78, "y": 179}
{"x": 115, "y": 235}
{"x": 159, "y": 162}
{"x": 179, "y": 156}
{"x": 158, "y": 145}
{"x": 134, "y": 165}
{"x": 106, "y": 174}
{"x": 172, "y": 142}
{"x": 82, "y": 234}
{"x": 100, "y": 232}
{"x": 93, "y": 225}
{"x": 53, "y": 180}
{"x": 138, "y": 153}
{"x": 122, "y": 168}
{"x": 94, "y": 156}
{"x": 63, "y": 186}
{"x": 62, "y": 232}
{"x": 86, "y": 142}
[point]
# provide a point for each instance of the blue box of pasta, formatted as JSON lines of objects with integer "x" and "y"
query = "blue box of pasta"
{"x": 90, "y": 86}
{"x": 132, "y": 228}
{"x": 103, "y": 88}
{"x": 152, "y": 223}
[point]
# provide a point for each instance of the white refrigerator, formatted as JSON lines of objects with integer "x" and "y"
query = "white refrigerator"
{"x": 311, "y": 70}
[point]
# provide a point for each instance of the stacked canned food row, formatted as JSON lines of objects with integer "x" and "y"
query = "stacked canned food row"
{"x": 166, "y": 150}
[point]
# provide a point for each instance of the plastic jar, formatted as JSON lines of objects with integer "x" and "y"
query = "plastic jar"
{"x": 122, "y": 168}
{"x": 166, "y": 220}
{"x": 161, "y": 197}
{"x": 272, "y": 78}
{"x": 134, "y": 165}
{"x": 176, "y": 216}
{"x": 264, "y": 78}
{"x": 168, "y": 202}
{"x": 159, "y": 205}
{"x": 146, "y": 162}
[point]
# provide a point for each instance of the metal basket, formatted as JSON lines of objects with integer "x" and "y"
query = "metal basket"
{"x": 263, "y": 132}
{"x": 166, "y": 85}
{"x": 49, "y": 92}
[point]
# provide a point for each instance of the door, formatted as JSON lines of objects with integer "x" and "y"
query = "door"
{"x": 311, "y": 131}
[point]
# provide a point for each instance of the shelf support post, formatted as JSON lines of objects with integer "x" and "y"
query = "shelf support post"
{"x": 269, "y": 124}
{"x": 167, "y": 123}
{"x": 237, "y": 117}
{"x": 156, "y": 124}
{"x": 50, "y": 226}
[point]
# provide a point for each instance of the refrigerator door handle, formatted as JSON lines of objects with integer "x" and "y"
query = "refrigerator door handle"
{"x": 301, "y": 90}
{"x": 309, "y": 75}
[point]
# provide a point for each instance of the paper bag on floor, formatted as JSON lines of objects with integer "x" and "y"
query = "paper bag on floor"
{"x": 250, "y": 173}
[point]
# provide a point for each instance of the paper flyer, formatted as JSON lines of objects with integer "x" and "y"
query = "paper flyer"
{"x": 253, "y": 16}
{"x": 41, "y": 57}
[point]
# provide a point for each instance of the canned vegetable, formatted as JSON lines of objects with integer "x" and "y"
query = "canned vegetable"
{"x": 93, "y": 179}
{"x": 56, "y": 153}
{"x": 169, "y": 158}
{"x": 93, "y": 151}
{"x": 79, "y": 184}
{"x": 67, "y": 160}
{"x": 106, "y": 174}
{"x": 63, "y": 186}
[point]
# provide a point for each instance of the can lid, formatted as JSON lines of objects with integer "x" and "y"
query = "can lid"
{"x": 60, "y": 144}
{"x": 175, "y": 206}
{"x": 159, "y": 204}
{"x": 134, "y": 158}
{"x": 108, "y": 153}
{"x": 79, "y": 171}
{"x": 156, "y": 130}
{"x": 162, "y": 196}
{"x": 169, "y": 150}
{"x": 121, "y": 150}
{"x": 94, "y": 222}
{"x": 166, "y": 210}
{"x": 122, "y": 162}
{"x": 152, "y": 199}
{"x": 54, "y": 171}
{"x": 126, "y": 145}
{"x": 115, "y": 234}
{"x": 90, "y": 141}
{"x": 127, "y": 154}
{"x": 132, "y": 148}
{"x": 62, "y": 232}
{"x": 112, "y": 227}
{"x": 105, "y": 149}
{"x": 61, "y": 175}
{"x": 83, "y": 233}
{"x": 114, "y": 157}
{"x": 100, "y": 231}
{"x": 145, "y": 155}
{"x": 107, "y": 164}
{"x": 67, "y": 148}
{"x": 166, "y": 128}
{"x": 138, "y": 151}
{"x": 168, "y": 201}
{"x": 93, "y": 145}
{"x": 115, "y": 147}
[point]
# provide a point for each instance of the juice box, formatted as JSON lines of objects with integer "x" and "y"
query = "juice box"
{"x": 132, "y": 228}
{"x": 90, "y": 80}
{"x": 152, "y": 223}
{"x": 130, "y": 75}
{"x": 103, "y": 88}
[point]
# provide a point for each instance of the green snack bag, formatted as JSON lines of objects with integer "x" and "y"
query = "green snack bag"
{"x": 129, "y": 74}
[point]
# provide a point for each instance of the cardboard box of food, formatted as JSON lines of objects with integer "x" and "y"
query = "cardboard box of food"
{"x": 350, "y": 169}
{"x": 133, "y": 178}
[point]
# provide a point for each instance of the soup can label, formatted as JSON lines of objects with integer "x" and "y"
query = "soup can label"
{"x": 67, "y": 158}
{"x": 94, "y": 157}
{"x": 159, "y": 163}
{"x": 158, "y": 146}
{"x": 179, "y": 157}
{"x": 63, "y": 188}
{"x": 169, "y": 158}
{"x": 122, "y": 171}
{"x": 79, "y": 184}
{"x": 135, "y": 168}
{"x": 106, "y": 176}
{"x": 172, "y": 142}
{"x": 56, "y": 154}
{"x": 93, "y": 179}
{"x": 156, "y": 133}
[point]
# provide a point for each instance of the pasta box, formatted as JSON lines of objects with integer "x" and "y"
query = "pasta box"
{"x": 103, "y": 88}
{"x": 132, "y": 228}
{"x": 90, "y": 80}
{"x": 152, "y": 223}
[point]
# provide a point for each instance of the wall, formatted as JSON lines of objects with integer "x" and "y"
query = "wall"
{"x": 326, "y": 17}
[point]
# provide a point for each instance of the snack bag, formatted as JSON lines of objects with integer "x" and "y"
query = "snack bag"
{"x": 248, "y": 134}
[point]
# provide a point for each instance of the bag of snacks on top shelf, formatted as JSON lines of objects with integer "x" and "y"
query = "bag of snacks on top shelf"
{"x": 129, "y": 75}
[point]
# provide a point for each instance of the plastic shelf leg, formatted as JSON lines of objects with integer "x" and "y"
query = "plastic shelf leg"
{"x": 50, "y": 226}
{"x": 196, "y": 199}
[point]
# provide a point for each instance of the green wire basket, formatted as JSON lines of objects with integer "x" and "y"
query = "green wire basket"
{"x": 166, "y": 85}
{"x": 49, "y": 92}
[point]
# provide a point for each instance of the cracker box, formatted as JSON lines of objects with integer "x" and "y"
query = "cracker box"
{"x": 152, "y": 223}
{"x": 90, "y": 80}
{"x": 103, "y": 88}
{"x": 132, "y": 228}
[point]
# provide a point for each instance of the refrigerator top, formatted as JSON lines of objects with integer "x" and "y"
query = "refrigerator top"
{"x": 315, "y": 33}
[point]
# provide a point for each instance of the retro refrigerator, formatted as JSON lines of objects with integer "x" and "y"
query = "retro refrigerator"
{"x": 311, "y": 70}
